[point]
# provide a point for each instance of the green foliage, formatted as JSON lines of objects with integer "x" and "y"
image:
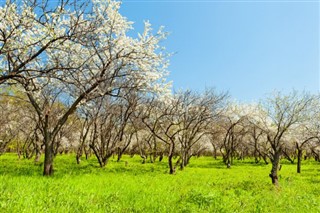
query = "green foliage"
{"x": 205, "y": 186}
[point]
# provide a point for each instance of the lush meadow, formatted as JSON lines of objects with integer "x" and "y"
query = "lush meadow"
{"x": 204, "y": 186}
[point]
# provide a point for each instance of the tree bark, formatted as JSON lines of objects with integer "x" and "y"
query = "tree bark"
{"x": 37, "y": 147}
{"x": 119, "y": 156}
{"x": 38, "y": 155}
{"x": 78, "y": 158}
{"x": 264, "y": 157}
{"x": 214, "y": 152}
{"x": 161, "y": 157}
{"x": 48, "y": 150}
{"x": 48, "y": 159}
{"x": 299, "y": 155}
{"x": 275, "y": 165}
{"x": 183, "y": 159}
{"x": 170, "y": 156}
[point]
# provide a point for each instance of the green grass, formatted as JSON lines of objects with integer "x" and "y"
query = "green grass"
{"x": 204, "y": 186}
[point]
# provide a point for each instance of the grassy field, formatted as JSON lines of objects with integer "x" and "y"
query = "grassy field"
{"x": 204, "y": 186}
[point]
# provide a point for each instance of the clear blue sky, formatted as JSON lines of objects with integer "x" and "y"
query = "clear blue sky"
{"x": 249, "y": 48}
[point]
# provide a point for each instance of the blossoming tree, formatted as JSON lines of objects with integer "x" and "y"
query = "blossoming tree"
{"x": 76, "y": 54}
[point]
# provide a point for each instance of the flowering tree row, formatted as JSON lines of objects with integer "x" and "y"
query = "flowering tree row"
{"x": 72, "y": 79}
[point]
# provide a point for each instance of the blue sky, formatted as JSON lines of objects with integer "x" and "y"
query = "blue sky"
{"x": 249, "y": 48}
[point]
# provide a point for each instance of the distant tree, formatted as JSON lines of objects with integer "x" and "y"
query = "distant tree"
{"x": 163, "y": 120}
{"x": 215, "y": 136}
{"x": 307, "y": 132}
{"x": 130, "y": 120}
{"x": 279, "y": 115}
{"x": 15, "y": 120}
{"x": 258, "y": 143}
{"x": 233, "y": 125}
{"x": 9, "y": 124}
{"x": 182, "y": 121}
{"x": 113, "y": 127}
{"x": 198, "y": 112}
{"x": 86, "y": 121}
{"x": 257, "y": 139}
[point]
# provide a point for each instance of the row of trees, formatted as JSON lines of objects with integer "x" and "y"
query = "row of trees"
{"x": 72, "y": 79}
{"x": 181, "y": 126}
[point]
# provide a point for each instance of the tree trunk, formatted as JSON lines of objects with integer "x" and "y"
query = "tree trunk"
{"x": 152, "y": 159}
{"x": 183, "y": 159}
{"x": 228, "y": 161}
{"x": 187, "y": 156}
{"x": 264, "y": 157}
{"x": 87, "y": 153}
{"x": 275, "y": 166}
{"x": 256, "y": 159}
{"x": 48, "y": 150}
{"x": 161, "y": 157}
{"x": 38, "y": 155}
{"x": 170, "y": 156}
{"x": 79, "y": 154}
{"x": 18, "y": 150}
{"x": 105, "y": 160}
{"x": 153, "y": 156}
{"x": 78, "y": 158}
{"x": 299, "y": 160}
{"x": 119, "y": 156}
{"x": 144, "y": 158}
{"x": 172, "y": 170}
{"x": 214, "y": 152}
{"x": 48, "y": 159}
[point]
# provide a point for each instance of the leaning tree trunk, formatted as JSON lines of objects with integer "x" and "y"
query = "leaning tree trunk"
{"x": 275, "y": 166}
{"x": 264, "y": 157}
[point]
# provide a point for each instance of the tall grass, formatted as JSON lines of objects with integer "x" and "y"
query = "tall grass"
{"x": 204, "y": 186}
